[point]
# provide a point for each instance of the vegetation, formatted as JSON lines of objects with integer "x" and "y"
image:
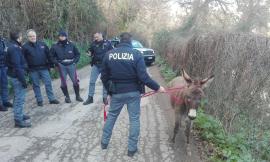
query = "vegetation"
{"x": 227, "y": 39}
{"x": 232, "y": 147}
{"x": 223, "y": 146}
{"x": 165, "y": 69}
{"x": 47, "y": 17}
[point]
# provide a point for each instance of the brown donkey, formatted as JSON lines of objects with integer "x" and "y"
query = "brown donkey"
{"x": 186, "y": 101}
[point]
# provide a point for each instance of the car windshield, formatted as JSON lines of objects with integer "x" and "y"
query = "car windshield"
{"x": 136, "y": 44}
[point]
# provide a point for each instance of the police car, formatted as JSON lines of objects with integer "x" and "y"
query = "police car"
{"x": 148, "y": 53}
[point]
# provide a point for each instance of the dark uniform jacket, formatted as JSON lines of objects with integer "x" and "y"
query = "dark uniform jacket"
{"x": 16, "y": 63}
{"x": 2, "y": 53}
{"x": 37, "y": 55}
{"x": 98, "y": 50}
{"x": 65, "y": 54}
{"x": 123, "y": 70}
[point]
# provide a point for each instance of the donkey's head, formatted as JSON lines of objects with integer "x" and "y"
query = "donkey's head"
{"x": 193, "y": 94}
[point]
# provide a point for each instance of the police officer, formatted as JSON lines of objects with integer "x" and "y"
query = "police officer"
{"x": 122, "y": 73}
{"x": 65, "y": 55}
{"x": 16, "y": 71}
{"x": 97, "y": 51}
{"x": 3, "y": 78}
{"x": 37, "y": 56}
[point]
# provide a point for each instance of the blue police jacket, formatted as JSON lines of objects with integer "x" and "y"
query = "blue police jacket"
{"x": 65, "y": 54}
{"x": 15, "y": 61}
{"x": 98, "y": 50}
{"x": 125, "y": 67}
{"x": 2, "y": 53}
{"x": 37, "y": 55}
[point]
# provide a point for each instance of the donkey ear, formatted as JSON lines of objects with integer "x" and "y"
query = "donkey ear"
{"x": 206, "y": 82}
{"x": 186, "y": 77}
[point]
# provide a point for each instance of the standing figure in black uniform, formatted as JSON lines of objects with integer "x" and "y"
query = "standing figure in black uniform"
{"x": 97, "y": 51}
{"x": 16, "y": 71}
{"x": 124, "y": 74}
{"x": 3, "y": 78}
{"x": 37, "y": 56}
{"x": 66, "y": 55}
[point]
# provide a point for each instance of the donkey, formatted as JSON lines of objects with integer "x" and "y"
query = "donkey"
{"x": 186, "y": 101}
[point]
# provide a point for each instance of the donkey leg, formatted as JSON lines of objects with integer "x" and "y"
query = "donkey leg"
{"x": 187, "y": 132}
{"x": 176, "y": 129}
{"x": 177, "y": 122}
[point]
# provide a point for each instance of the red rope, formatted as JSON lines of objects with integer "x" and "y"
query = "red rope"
{"x": 150, "y": 93}
{"x": 168, "y": 90}
{"x": 105, "y": 113}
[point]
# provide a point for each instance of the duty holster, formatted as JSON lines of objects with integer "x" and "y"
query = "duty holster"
{"x": 111, "y": 87}
{"x": 141, "y": 87}
{"x": 95, "y": 61}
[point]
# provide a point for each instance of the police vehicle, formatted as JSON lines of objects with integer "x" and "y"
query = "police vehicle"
{"x": 148, "y": 53}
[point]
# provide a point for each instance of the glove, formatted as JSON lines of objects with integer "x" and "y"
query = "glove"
{"x": 27, "y": 71}
{"x": 93, "y": 61}
{"x": 24, "y": 85}
{"x": 111, "y": 87}
{"x": 52, "y": 65}
{"x": 49, "y": 70}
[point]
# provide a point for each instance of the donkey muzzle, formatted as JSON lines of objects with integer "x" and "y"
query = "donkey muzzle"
{"x": 192, "y": 114}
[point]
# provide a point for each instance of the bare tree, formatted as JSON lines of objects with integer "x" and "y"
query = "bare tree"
{"x": 201, "y": 14}
{"x": 254, "y": 15}
{"x": 79, "y": 17}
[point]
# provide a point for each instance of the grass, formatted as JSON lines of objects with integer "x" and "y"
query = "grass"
{"x": 166, "y": 71}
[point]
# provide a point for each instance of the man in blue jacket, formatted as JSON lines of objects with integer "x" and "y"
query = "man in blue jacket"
{"x": 16, "y": 71}
{"x": 37, "y": 56}
{"x": 97, "y": 51}
{"x": 66, "y": 55}
{"x": 3, "y": 78}
{"x": 124, "y": 74}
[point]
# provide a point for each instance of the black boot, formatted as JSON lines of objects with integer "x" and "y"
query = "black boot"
{"x": 88, "y": 101}
{"x": 7, "y": 104}
{"x": 54, "y": 101}
{"x": 65, "y": 91}
{"x": 131, "y": 153}
{"x": 77, "y": 92}
{"x": 2, "y": 108}
{"x": 104, "y": 146}
{"x": 26, "y": 117}
{"x": 40, "y": 104}
{"x": 22, "y": 124}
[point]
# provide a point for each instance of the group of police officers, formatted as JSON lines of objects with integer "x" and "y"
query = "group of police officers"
{"x": 123, "y": 74}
